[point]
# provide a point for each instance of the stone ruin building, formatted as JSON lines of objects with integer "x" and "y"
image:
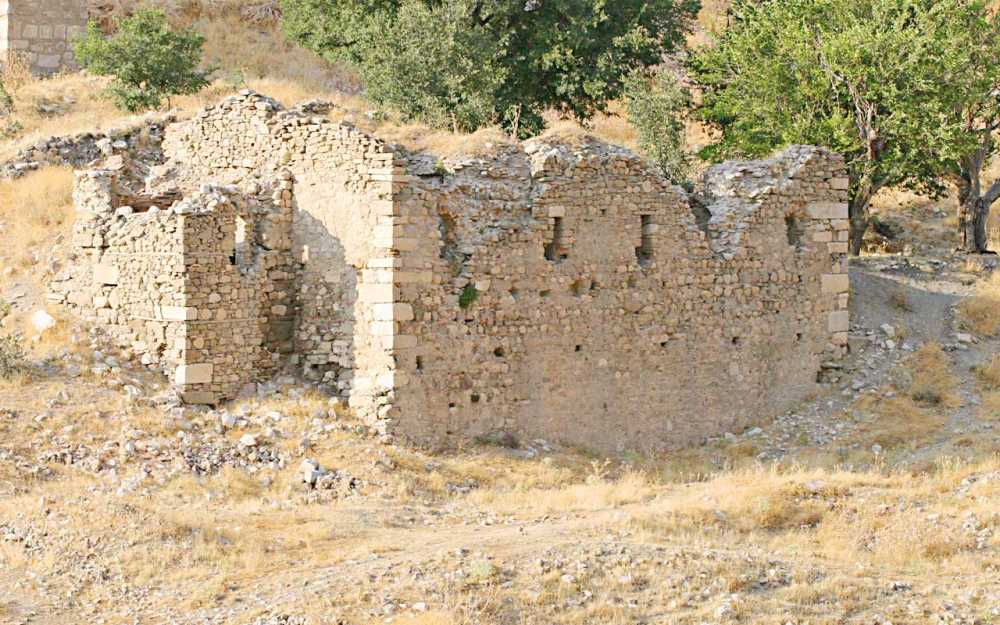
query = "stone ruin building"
{"x": 41, "y": 32}
{"x": 563, "y": 290}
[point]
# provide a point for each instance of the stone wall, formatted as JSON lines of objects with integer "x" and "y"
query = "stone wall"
{"x": 551, "y": 290}
{"x": 140, "y": 136}
{"x": 573, "y": 294}
{"x": 181, "y": 282}
{"x": 341, "y": 189}
{"x": 41, "y": 31}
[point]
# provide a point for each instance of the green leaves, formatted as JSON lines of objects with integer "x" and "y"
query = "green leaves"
{"x": 656, "y": 104}
{"x": 905, "y": 89}
{"x": 470, "y": 63}
{"x": 148, "y": 60}
{"x": 878, "y": 80}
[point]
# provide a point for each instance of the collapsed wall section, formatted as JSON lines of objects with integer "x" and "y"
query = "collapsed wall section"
{"x": 574, "y": 294}
{"x": 177, "y": 282}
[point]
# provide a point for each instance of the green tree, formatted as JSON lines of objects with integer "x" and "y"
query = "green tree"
{"x": 149, "y": 61}
{"x": 877, "y": 80}
{"x": 977, "y": 41}
{"x": 474, "y": 62}
{"x": 656, "y": 104}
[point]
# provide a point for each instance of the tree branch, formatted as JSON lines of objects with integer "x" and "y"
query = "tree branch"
{"x": 992, "y": 194}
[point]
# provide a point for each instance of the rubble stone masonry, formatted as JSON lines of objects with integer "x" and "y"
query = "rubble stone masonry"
{"x": 41, "y": 32}
{"x": 556, "y": 290}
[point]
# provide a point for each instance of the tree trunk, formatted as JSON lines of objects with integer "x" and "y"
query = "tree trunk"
{"x": 858, "y": 211}
{"x": 976, "y": 211}
{"x": 980, "y": 218}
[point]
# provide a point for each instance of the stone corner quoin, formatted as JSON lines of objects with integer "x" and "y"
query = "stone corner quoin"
{"x": 568, "y": 292}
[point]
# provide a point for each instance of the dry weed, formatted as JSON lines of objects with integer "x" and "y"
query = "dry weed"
{"x": 34, "y": 210}
{"x": 900, "y": 301}
{"x": 934, "y": 382}
{"x": 595, "y": 494}
{"x": 981, "y": 312}
{"x": 896, "y": 422}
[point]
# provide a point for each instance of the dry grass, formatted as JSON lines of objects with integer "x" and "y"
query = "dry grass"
{"x": 596, "y": 493}
{"x": 245, "y": 53}
{"x": 981, "y": 312}
{"x": 915, "y": 412}
{"x": 899, "y": 300}
{"x": 896, "y": 422}
{"x": 989, "y": 408}
{"x": 203, "y": 542}
{"x": 34, "y": 210}
{"x": 817, "y": 513}
{"x": 989, "y": 373}
{"x": 934, "y": 382}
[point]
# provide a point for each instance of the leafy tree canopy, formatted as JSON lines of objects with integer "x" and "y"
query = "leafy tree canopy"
{"x": 656, "y": 104}
{"x": 877, "y": 80}
{"x": 148, "y": 60}
{"x": 475, "y": 62}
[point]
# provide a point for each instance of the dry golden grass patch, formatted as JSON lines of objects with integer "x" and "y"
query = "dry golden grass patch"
{"x": 596, "y": 493}
{"x": 934, "y": 382}
{"x": 917, "y": 413}
{"x": 436, "y": 617}
{"x": 248, "y": 52}
{"x": 896, "y": 422}
{"x": 989, "y": 408}
{"x": 33, "y": 211}
{"x": 989, "y": 373}
{"x": 907, "y": 523}
{"x": 981, "y": 312}
{"x": 752, "y": 500}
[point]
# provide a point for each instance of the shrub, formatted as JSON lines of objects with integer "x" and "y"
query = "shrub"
{"x": 469, "y": 295}
{"x": 11, "y": 356}
{"x": 656, "y": 103}
{"x": 469, "y": 64}
{"x": 980, "y": 313}
{"x": 149, "y": 61}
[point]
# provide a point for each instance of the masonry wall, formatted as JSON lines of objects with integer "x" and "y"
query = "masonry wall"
{"x": 564, "y": 291}
{"x": 42, "y": 31}
{"x": 597, "y": 309}
{"x": 340, "y": 185}
{"x": 180, "y": 287}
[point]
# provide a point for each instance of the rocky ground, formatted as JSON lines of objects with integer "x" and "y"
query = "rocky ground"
{"x": 877, "y": 501}
{"x": 119, "y": 506}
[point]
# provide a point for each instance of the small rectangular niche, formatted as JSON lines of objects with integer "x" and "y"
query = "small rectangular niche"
{"x": 555, "y": 251}
{"x": 644, "y": 253}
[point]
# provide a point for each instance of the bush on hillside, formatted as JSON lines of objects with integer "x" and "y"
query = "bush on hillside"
{"x": 148, "y": 60}
{"x": 468, "y": 64}
{"x": 11, "y": 357}
{"x": 656, "y": 103}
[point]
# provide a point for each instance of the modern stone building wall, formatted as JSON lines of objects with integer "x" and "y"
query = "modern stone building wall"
{"x": 553, "y": 290}
{"x": 41, "y": 32}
